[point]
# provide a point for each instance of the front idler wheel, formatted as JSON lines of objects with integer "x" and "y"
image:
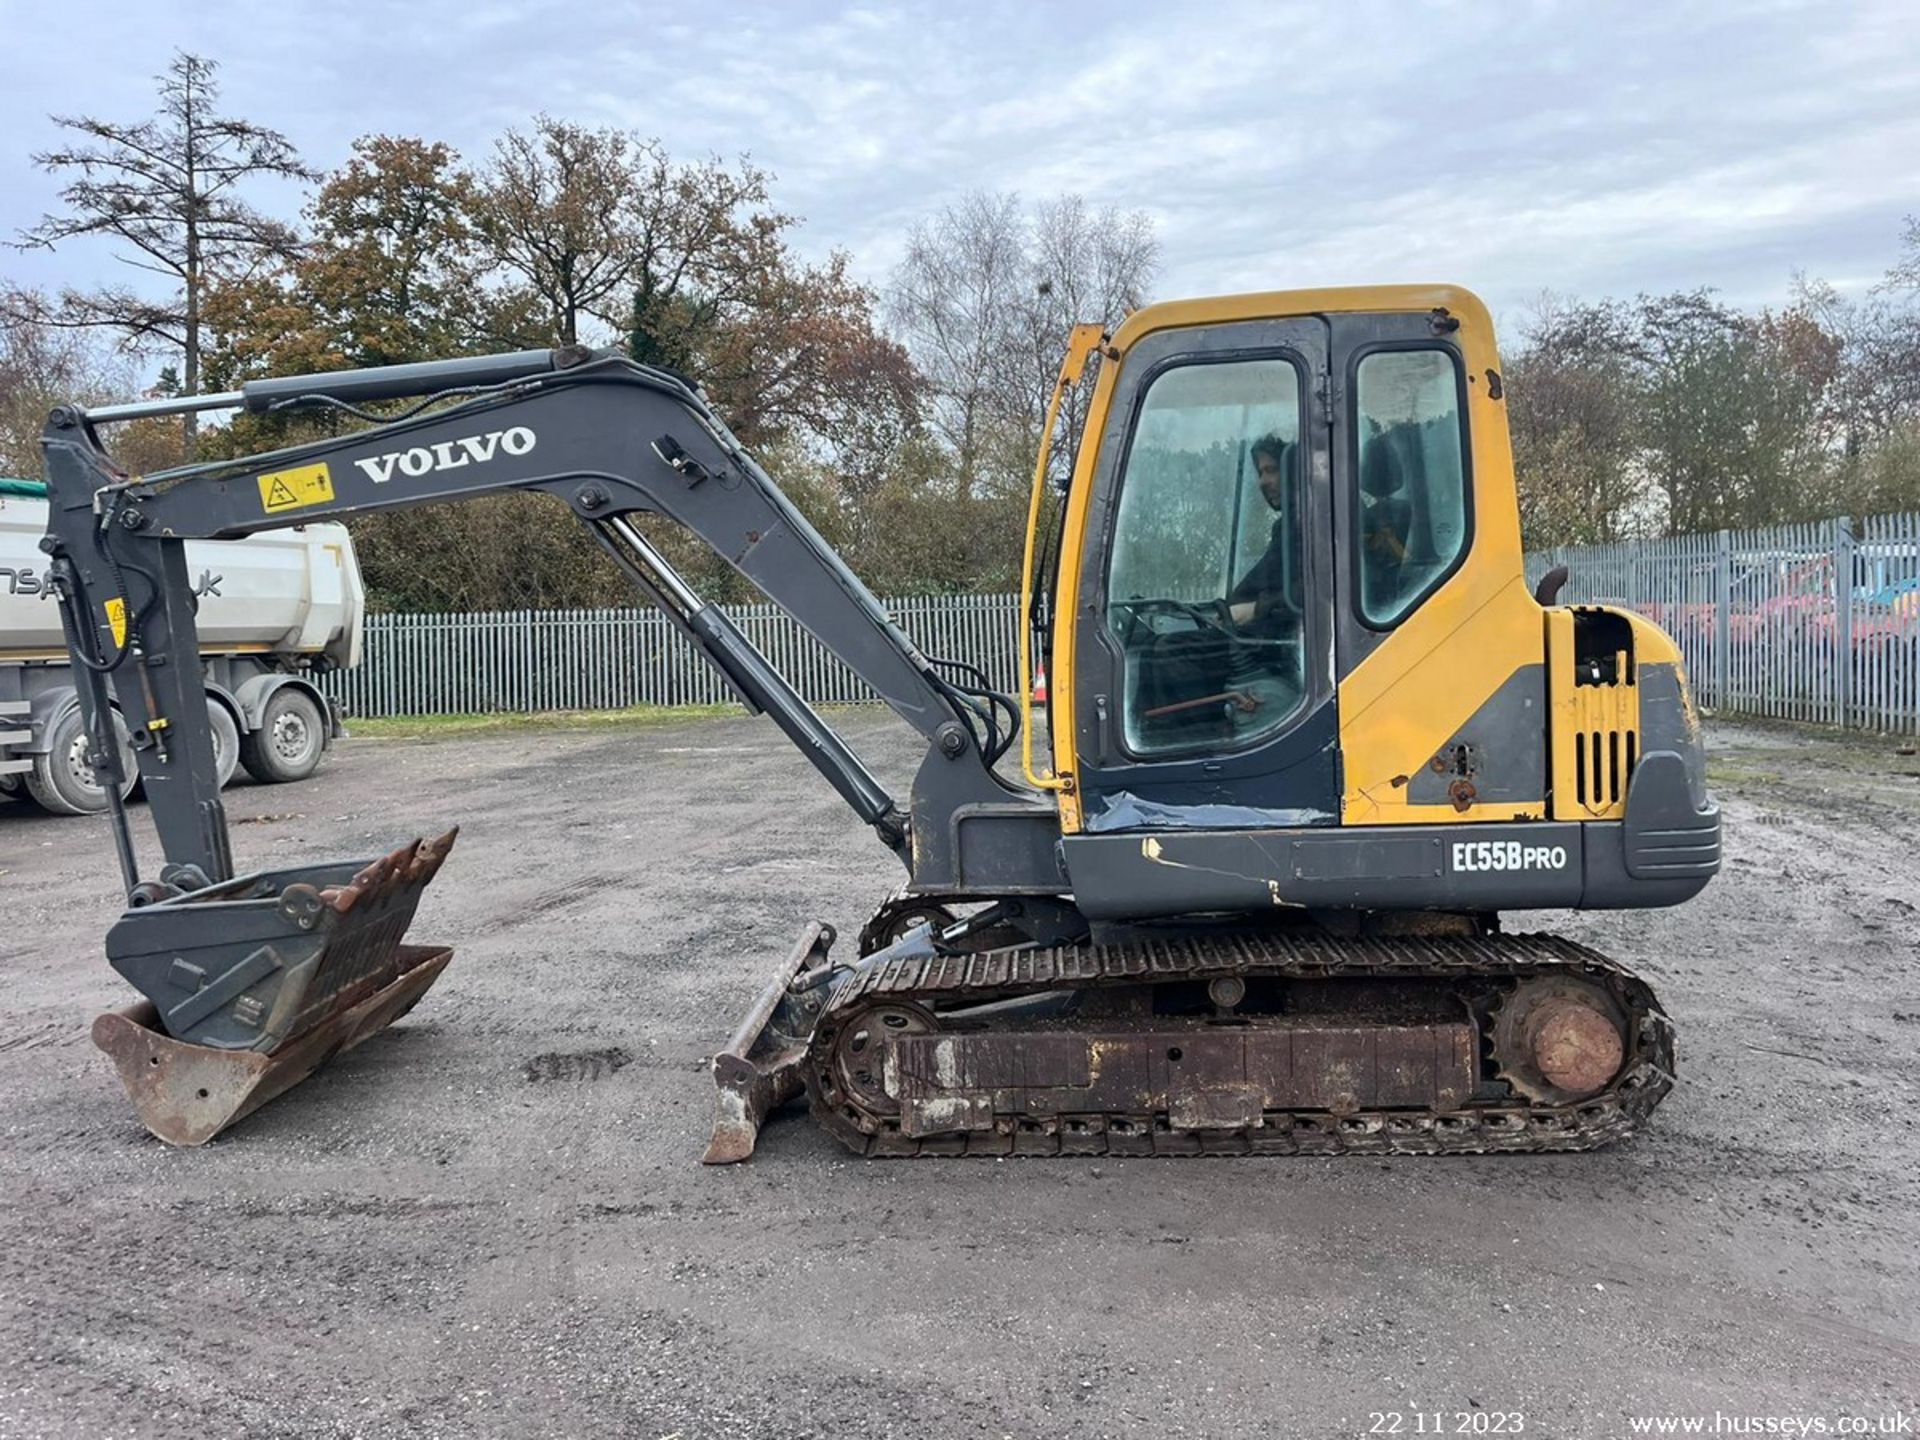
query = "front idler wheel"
{"x": 858, "y": 1060}
{"x": 1559, "y": 1039}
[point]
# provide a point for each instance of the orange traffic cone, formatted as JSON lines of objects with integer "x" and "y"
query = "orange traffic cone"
{"x": 1040, "y": 685}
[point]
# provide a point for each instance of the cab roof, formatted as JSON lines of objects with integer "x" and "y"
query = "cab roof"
{"x": 1466, "y": 306}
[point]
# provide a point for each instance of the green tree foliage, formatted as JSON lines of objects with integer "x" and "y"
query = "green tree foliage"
{"x": 605, "y": 226}
{"x": 1714, "y": 423}
{"x": 404, "y": 261}
{"x": 1573, "y": 406}
{"x": 1678, "y": 413}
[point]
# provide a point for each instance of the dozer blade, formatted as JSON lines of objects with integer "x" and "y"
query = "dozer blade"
{"x": 254, "y": 983}
{"x": 760, "y": 1068}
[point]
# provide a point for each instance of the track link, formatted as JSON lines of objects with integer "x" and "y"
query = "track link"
{"x": 1479, "y": 1127}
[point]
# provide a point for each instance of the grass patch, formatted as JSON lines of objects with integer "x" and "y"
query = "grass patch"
{"x": 447, "y": 727}
{"x": 1739, "y": 775}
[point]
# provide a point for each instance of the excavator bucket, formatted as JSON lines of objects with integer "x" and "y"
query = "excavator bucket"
{"x": 760, "y": 1068}
{"x": 253, "y": 984}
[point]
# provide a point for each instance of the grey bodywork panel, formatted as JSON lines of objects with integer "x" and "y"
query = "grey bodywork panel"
{"x": 1667, "y": 722}
{"x": 1663, "y": 853}
{"x": 1484, "y": 866}
{"x": 1501, "y": 751}
{"x": 1669, "y": 837}
{"x": 969, "y": 840}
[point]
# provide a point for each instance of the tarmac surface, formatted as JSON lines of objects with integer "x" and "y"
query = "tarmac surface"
{"x": 491, "y": 1220}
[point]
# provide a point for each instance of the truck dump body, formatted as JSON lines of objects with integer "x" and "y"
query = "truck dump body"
{"x": 296, "y": 591}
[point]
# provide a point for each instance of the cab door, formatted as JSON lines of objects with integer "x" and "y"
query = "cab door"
{"x": 1204, "y": 631}
{"x": 1439, "y": 648}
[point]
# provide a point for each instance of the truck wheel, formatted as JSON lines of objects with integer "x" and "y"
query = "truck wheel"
{"x": 62, "y": 781}
{"x": 226, "y": 741}
{"x": 290, "y": 740}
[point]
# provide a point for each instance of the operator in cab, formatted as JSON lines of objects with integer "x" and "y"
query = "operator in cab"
{"x": 1259, "y": 603}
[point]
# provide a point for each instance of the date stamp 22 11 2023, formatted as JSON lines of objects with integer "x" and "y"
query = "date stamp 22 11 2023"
{"x": 1445, "y": 1422}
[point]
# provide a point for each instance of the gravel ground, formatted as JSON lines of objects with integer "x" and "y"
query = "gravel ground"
{"x": 490, "y": 1219}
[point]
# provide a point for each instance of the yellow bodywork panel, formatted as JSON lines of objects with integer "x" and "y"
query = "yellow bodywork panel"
{"x": 1596, "y": 739}
{"x": 1429, "y": 675}
{"x": 1081, "y": 346}
{"x": 1438, "y": 666}
{"x": 1403, "y": 703}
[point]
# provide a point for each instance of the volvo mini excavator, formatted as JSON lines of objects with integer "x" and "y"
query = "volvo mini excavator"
{"x": 1310, "y": 734}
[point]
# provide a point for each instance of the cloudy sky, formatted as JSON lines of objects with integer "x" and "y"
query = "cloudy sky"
{"x": 1589, "y": 148}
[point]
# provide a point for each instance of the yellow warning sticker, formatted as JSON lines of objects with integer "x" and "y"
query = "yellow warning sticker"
{"x": 117, "y": 620}
{"x": 296, "y": 489}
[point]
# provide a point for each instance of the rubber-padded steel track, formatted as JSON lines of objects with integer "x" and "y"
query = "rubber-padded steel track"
{"x": 946, "y": 982}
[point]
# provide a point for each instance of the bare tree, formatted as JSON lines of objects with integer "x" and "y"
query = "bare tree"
{"x": 958, "y": 298}
{"x": 1085, "y": 266}
{"x": 164, "y": 189}
{"x": 40, "y": 367}
{"x": 1904, "y": 273}
{"x": 985, "y": 297}
{"x": 604, "y": 225}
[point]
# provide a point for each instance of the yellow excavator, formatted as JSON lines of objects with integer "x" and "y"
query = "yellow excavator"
{"x": 1310, "y": 734}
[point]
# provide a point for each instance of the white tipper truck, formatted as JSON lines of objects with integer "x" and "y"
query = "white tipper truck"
{"x": 275, "y": 610}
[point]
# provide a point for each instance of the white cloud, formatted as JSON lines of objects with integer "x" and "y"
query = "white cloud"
{"x": 1513, "y": 147}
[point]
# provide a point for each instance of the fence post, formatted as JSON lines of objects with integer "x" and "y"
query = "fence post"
{"x": 1843, "y": 619}
{"x": 1723, "y": 619}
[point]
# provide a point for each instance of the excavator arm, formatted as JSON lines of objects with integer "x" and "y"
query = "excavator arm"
{"x": 263, "y": 963}
{"x": 606, "y": 437}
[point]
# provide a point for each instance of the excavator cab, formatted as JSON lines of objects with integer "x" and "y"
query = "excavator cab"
{"x": 1309, "y": 735}
{"x": 1346, "y": 650}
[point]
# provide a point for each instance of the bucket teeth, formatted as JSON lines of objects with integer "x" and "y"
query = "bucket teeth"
{"x": 414, "y": 863}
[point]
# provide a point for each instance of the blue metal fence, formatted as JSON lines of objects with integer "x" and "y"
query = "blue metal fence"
{"x": 1817, "y": 622}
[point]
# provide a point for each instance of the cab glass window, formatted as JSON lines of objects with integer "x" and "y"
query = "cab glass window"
{"x": 1412, "y": 478}
{"x": 1204, "y": 587}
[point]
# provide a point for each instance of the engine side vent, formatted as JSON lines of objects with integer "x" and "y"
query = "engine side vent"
{"x": 1595, "y": 705}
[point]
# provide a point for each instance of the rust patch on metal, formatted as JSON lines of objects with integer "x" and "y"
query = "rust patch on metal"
{"x": 1576, "y": 1047}
{"x": 759, "y": 1068}
{"x": 1201, "y": 1076}
{"x": 186, "y": 1094}
{"x": 1559, "y": 1039}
